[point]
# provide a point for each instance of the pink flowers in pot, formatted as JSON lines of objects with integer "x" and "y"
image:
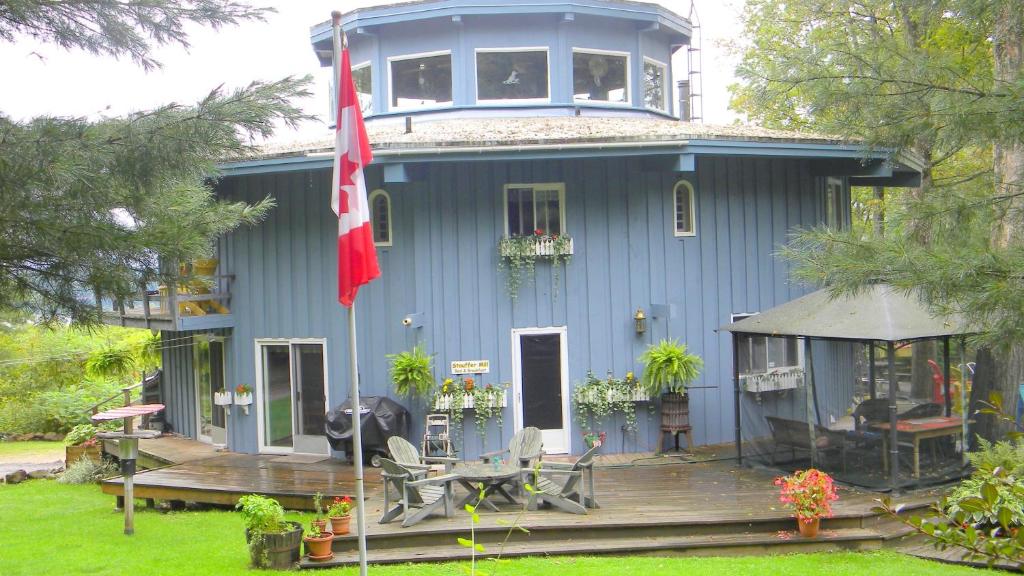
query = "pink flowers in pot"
{"x": 810, "y": 493}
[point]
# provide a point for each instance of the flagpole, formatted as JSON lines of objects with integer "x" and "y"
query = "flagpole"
{"x": 357, "y": 432}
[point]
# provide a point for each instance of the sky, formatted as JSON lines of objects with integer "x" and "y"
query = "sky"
{"x": 42, "y": 79}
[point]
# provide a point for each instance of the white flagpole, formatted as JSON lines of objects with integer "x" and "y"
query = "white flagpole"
{"x": 357, "y": 431}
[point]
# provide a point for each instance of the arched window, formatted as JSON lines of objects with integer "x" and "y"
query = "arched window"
{"x": 380, "y": 217}
{"x": 683, "y": 202}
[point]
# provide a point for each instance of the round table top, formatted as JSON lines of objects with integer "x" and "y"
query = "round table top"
{"x": 485, "y": 471}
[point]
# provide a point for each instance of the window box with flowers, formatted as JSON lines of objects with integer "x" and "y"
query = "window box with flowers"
{"x": 487, "y": 402}
{"x": 519, "y": 255}
{"x": 243, "y": 397}
{"x": 596, "y": 399}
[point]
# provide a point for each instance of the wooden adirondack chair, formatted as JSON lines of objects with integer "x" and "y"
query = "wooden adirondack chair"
{"x": 567, "y": 494}
{"x": 419, "y": 496}
{"x": 404, "y": 453}
{"x": 524, "y": 450}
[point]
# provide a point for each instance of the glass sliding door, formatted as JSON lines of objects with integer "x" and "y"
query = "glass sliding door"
{"x": 277, "y": 396}
{"x": 311, "y": 413}
{"x": 293, "y": 402}
{"x": 208, "y": 361}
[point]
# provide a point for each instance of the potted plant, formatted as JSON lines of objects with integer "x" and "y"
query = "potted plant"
{"x": 243, "y": 397}
{"x": 412, "y": 372}
{"x": 273, "y": 542}
{"x": 82, "y": 441}
{"x": 668, "y": 370}
{"x": 318, "y": 507}
{"x": 339, "y": 512}
{"x": 318, "y": 544}
{"x": 810, "y": 493}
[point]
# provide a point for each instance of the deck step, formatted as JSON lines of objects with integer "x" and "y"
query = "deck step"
{"x": 723, "y": 544}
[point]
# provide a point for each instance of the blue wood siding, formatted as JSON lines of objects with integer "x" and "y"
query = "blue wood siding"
{"x": 444, "y": 265}
{"x": 177, "y": 384}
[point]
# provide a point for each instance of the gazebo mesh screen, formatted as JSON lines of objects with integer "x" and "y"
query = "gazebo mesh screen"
{"x": 802, "y": 407}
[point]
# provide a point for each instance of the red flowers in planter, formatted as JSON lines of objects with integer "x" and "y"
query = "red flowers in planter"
{"x": 538, "y": 232}
{"x": 809, "y": 493}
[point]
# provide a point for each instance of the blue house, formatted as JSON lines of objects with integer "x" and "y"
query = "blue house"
{"x": 489, "y": 121}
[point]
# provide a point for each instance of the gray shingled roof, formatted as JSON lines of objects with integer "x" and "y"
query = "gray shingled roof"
{"x": 488, "y": 132}
{"x": 878, "y": 312}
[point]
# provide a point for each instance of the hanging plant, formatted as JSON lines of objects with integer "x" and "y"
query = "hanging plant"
{"x": 412, "y": 372}
{"x": 518, "y": 256}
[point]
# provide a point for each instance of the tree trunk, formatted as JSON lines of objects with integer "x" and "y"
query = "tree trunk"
{"x": 1008, "y": 165}
{"x": 878, "y": 214}
{"x": 920, "y": 371}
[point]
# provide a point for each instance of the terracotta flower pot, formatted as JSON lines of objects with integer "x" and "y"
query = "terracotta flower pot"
{"x": 320, "y": 523}
{"x": 809, "y": 529}
{"x": 319, "y": 548}
{"x": 340, "y": 524}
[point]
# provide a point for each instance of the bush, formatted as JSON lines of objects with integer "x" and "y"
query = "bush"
{"x": 988, "y": 461}
{"x": 85, "y": 471}
{"x": 80, "y": 434}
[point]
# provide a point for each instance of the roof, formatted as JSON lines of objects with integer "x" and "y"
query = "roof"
{"x": 561, "y": 137}
{"x": 878, "y": 312}
{"x": 526, "y": 131}
{"x": 389, "y": 13}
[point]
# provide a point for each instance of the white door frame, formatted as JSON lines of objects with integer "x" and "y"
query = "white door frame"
{"x": 195, "y": 384}
{"x": 257, "y": 397}
{"x": 551, "y": 444}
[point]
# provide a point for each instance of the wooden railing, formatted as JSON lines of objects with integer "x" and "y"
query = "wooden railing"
{"x": 198, "y": 296}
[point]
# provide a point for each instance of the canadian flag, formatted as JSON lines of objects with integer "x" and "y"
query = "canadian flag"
{"x": 357, "y": 257}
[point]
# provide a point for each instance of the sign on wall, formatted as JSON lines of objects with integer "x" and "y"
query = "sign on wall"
{"x": 471, "y": 366}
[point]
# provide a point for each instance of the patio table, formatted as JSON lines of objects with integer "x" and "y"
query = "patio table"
{"x": 919, "y": 429}
{"x": 491, "y": 476}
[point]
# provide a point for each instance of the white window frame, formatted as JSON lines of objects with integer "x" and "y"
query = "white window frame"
{"x": 361, "y": 65}
{"x": 257, "y": 396}
{"x": 629, "y": 75}
{"x": 833, "y": 183}
{"x": 664, "y": 88}
{"x": 675, "y": 209}
{"x": 195, "y": 384}
{"x": 476, "y": 78}
{"x": 392, "y": 59}
{"x": 736, "y": 317}
{"x": 373, "y": 196}
{"x": 560, "y": 443}
{"x": 560, "y": 186}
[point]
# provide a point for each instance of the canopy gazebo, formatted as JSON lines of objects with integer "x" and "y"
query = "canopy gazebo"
{"x": 779, "y": 407}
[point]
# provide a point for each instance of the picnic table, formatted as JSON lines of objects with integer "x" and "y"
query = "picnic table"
{"x": 918, "y": 429}
{"x": 491, "y": 476}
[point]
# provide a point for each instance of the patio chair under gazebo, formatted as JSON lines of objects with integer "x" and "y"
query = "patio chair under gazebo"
{"x": 855, "y": 427}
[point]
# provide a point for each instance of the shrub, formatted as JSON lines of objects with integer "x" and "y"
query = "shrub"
{"x": 85, "y": 471}
{"x": 80, "y": 434}
{"x": 991, "y": 460}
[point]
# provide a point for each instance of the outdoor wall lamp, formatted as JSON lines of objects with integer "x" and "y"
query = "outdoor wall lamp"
{"x": 641, "y": 321}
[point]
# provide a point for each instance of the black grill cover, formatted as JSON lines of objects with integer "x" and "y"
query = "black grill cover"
{"x": 381, "y": 416}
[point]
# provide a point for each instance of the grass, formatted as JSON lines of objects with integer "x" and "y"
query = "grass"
{"x": 88, "y": 540}
{"x": 11, "y": 451}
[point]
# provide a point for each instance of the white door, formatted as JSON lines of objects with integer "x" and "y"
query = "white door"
{"x": 540, "y": 381}
{"x": 292, "y": 396}
{"x": 208, "y": 362}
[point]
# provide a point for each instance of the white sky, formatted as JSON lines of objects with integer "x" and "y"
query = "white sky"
{"x": 43, "y": 79}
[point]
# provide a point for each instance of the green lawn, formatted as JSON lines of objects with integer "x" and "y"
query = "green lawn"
{"x": 11, "y": 451}
{"x": 86, "y": 539}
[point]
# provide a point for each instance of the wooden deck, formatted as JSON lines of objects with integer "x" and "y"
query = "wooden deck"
{"x": 648, "y": 505}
